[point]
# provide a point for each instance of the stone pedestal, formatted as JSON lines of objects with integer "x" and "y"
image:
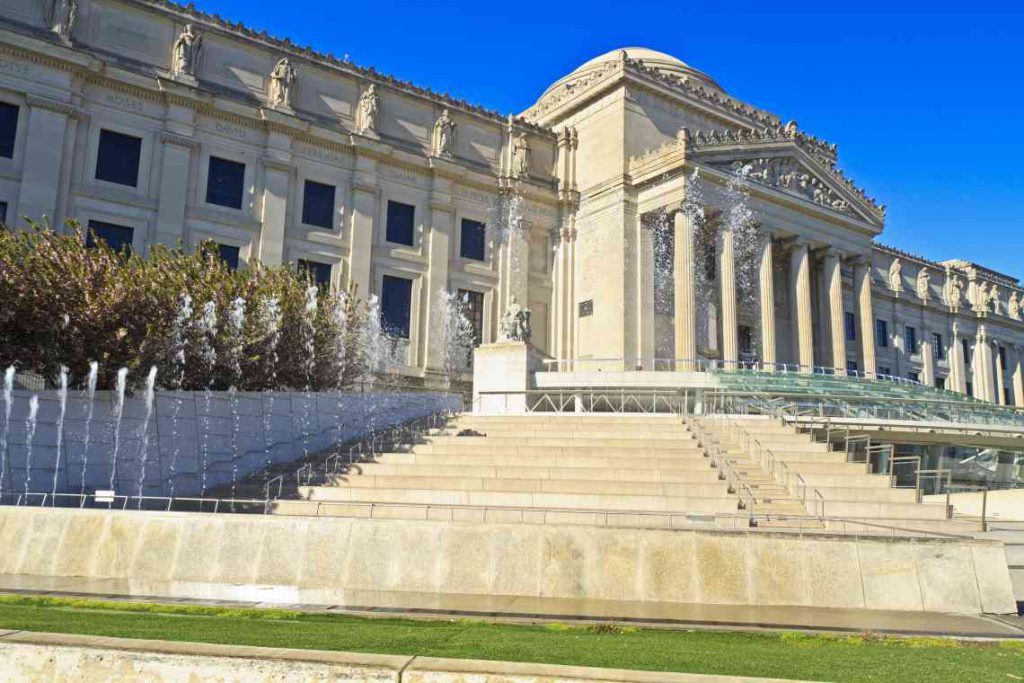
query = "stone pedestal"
{"x": 502, "y": 373}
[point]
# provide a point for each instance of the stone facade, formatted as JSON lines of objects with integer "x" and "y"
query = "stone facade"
{"x": 606, "y": 166}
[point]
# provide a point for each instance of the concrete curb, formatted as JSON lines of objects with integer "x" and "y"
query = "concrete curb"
{"x": 29, "y": 657}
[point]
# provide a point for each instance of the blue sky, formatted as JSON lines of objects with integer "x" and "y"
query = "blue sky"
{"x": 925, "y": 99}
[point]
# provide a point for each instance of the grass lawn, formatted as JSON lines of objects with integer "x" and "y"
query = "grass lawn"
{"x": 786, "y": 655}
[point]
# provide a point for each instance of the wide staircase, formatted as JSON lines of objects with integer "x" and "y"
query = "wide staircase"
{"x": 786, "y": 471}
{"x": 649, "y": 470}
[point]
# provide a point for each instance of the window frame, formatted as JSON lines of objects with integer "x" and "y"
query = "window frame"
{"x": 881, "y": 333}
{"x": 14, "y": 133}
{"x": 90, "y": 241}
{"x": 114, "y": 133}
{"x": 387, "y": 223}
{"x": 208, "y": 167}
{"x": 396, "y": 331}
{"x": 302, "y": 266}
{"x": 465, "y": 222}
{"x": 304, "y": 216}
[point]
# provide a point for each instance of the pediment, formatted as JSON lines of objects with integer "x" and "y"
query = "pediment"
{"x": 783, "y": 163}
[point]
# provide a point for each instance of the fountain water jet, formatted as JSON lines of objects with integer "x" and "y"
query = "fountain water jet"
{"x": 90, "y": 385}
{"x": 30, "y": 435}
{"x": 148, "y": 398}
{"x": 122, "y": 378}
{"x": 8, "y": 401}
{"x": 62, "y": 395}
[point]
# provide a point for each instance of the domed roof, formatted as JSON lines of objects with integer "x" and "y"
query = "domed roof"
{"x": 651, "y": 58}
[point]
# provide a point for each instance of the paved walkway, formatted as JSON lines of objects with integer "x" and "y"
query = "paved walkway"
{"x": 519, "y": 609}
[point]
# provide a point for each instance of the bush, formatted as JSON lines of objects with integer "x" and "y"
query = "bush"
{"x": 202, "y": 325}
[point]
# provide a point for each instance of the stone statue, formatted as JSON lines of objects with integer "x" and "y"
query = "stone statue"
{"x": 1013, "y": 307}
{"x": 368, "y": 114}
{"x": 521, "y": 156}
{"x": 955, "y": 292}
{"x": 444, "y": 135}
{"x": 186, "y": 52}
{"x": 992, "y": 302}
{"x": 896, "y": 275}
{"x": 282, "y": 78}
{"x": 980, "y": 296}
{"x": 515, "y": 324}
{"x": 61, "y": 16}
{"x": 791, "y": 129}
{"x": 924, "y": 280}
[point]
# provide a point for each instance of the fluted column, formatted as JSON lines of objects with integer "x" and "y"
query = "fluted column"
{"x": 927, "y": 358}
{"x": 983, "y": 379}
{"x": 837, "y": 326}
{"x": 768, "y": 350}
{"x": 862, "y": 283}
{"x": 1000, "y": 385}
{"x": 685, "y": 297}
{"x": 646, "y": 341}
{"x": 1018, "y": 377}
{"x": 957, "y": 368}
{"x": 730, "y": 324}
{"x": 800, "y": 283}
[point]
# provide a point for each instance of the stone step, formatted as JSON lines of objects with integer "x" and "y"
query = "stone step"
{"x": 877, "y": 510}
{"x": 589, "y": 419}
{"x": 858, "y": 480}
{"x": 794, "y": 455}
{"x": 556, "y": 445}
{"x": 779, "y": 445}
{"x": 705, "y": 474}
{"x": 527, "y": 458}
{"x": 586, "y": 434}
{"x": 829, "y": 468}
{"x": 556, "y": 442}
{"x": 566, "y": 452}
{"x": 589, "y": 486}
{"x": 723, "y": 503}
{"x": 865, "y": 494}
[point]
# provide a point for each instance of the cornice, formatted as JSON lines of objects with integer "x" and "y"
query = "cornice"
{"x": 170, "y": 138}
{"x": 66, "y": 108}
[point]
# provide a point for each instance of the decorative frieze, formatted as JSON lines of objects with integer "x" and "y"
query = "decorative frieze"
{"x": 789, "y": 176}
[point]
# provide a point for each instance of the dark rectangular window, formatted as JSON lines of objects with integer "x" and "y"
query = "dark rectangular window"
{"x": 914, "y": 376}
{"x": 117, "y": 237}
{"x": 881, "y": 333}
{"x": 8, "y": 128}
{"x": 117, "y": 158}
{"x": 966, "y": 345}
{"x": 225, "y": 183}
{"x": 746, "y": 335}
{"x": 3, "y": 213}
{"x": 401, "y": 223}
{"x": 852, "y": 368}
{"x": 710, "y": 260}
{"x": 473, "y": 308}
{"x": 911, "y": 345}
{"x": 940, "y": 382}
{"x": 396, "y": 306}
{"x": 1002, "y": 357}
{"x": 938, "y": 349}
{"x": 319, "y": 273}
{"x": 850, "y": 322}
{"x": 586, "y": 308}
{"x": 970, "y": 389}
{"x": 1007, "y": 396}
{"x": 471, "y": 244}
{"x": 228, "y": 255}
{"x": 318, "y": 204}
{"x": 882, "y": 370}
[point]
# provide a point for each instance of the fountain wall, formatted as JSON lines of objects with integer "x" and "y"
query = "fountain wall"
{"x": 225, "y": 434}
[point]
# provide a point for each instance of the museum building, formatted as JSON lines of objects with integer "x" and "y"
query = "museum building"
{"x": 648, "y": 219}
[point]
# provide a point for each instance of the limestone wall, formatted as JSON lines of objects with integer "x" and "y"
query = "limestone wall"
{"x": 32, "y": 657}
{"x": 190, "y": 432}
{"x": 322, "y": 561}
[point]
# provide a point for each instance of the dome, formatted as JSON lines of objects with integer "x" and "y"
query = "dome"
{"x": 653, "y": 59}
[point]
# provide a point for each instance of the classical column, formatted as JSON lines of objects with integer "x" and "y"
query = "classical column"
{"x": 730, "y": 324}
{"x": 767, "y": 282}
{"x": 438, "y": 248}
{"x": 862, "y": 283}
{"x": 800, "y": 285}
{"x": 685, "y": 297}
{"x": 1000, "y": 383}
{"x": 174, "y": 176}
{"x": 646, "y": 342}
{"x": 837, "y": 323}
{"x": 276, "y": 176}
{"x": 364, "y": 211}
{"x": 927, "y": 358}
{"x": 983, "y": 379}
{"x": 43, "y": 157}
{"x": 957, "y": 368}
{"x": 1018, "y": 376}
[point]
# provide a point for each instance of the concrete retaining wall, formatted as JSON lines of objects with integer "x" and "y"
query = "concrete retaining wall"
{"x": 190, "y": 432}
{"x": 35, "y": 657}
{"x": 321, "y": 560}
{"x": 1001, "y": 505}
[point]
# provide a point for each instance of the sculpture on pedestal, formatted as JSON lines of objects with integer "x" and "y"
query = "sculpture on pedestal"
{"x": 444, "y": 135}
{"x": 955, "y": 292}
{"x": 368, "y": 114}
{"x": 992, "y": 301}
{"x": 61, "y": 16}
{"x": 981, "y": 297}
{"x": 282, "y": 78}
{"x": 515, "y": 324}
{"x": 1013, "y": 307}
{"x": 896, "y": 276}
{"x": 521, "y": 156}
{"x": 924, "y": 279}
{"x": 186, "y": 52}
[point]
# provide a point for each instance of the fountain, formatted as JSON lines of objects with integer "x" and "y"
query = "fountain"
{"x": 459, "y": 335}
{"x": 236, "y": 324}
{"x": 62, "y": 396}
{"x": 208, "y": 355}
{"x": 30, "y": 435}
{"x": 122, "y": 378}
{"x": 90, "y": 385}
{"x": 8, "y": 402}
{"x": 148, "y": 397}
{"x": 271, "y": 314}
